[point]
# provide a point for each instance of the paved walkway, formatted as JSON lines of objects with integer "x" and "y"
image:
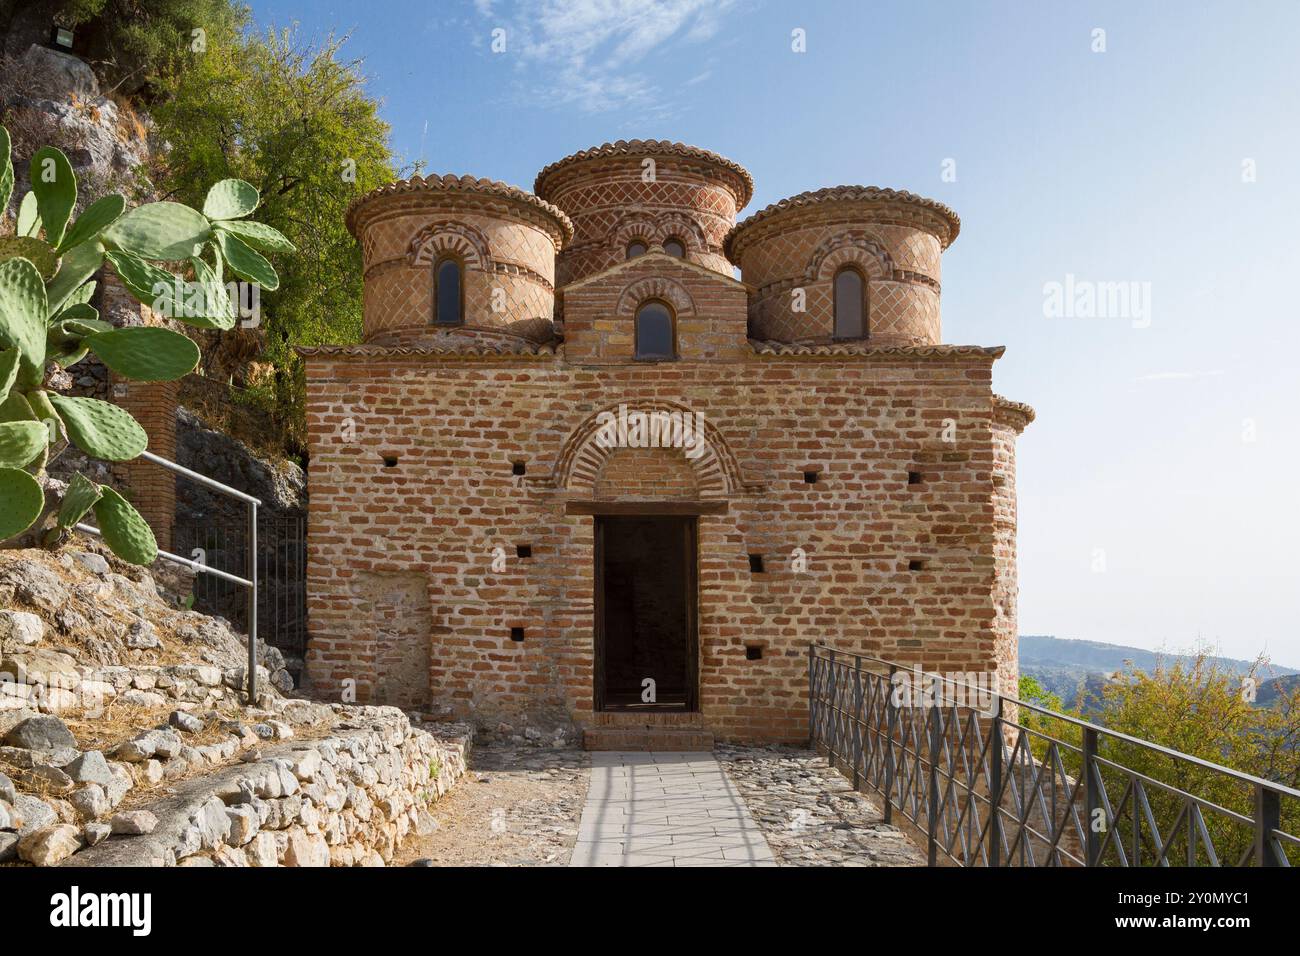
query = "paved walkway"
{"x": 666, "y": 809}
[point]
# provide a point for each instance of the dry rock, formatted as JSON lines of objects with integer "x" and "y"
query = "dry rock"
{"x": 50, "y": 845}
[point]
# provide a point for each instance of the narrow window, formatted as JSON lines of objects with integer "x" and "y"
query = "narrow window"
{"x": 675, "y": 247}
{"x": 634, "y": 249}
{"x": 654, "y": 331}
{"x": 448, "y": 295}
{"x": 850, "y": 304}
{"x": 516, "y": 634}
{"x": 523, "y": 550}
{"x": 753, "y": 652}
{"x": 518, "y": 468}
{"x": 756, "y": 564}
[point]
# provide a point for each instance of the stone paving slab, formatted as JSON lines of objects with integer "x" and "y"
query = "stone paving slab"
{"x": 666, "y": 809}
{"x": 810, "y": 814}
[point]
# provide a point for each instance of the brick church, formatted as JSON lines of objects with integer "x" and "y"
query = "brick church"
{"x": 579, "y": 473}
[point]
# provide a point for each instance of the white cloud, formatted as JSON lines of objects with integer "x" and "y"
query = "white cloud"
{"x": 591, "y": 53}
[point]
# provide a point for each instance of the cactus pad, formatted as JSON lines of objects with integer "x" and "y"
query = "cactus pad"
{"x": 230, "y": 199}
{"x": 160, "y": 230}
{"x": 21, "y": 501}
{"x": 80, "y": 497}
{"x": 145, "y": 354}
{"x": 100, "y": 429}
{"x": 124, "y": 530}
{"x": 23, "y": 310}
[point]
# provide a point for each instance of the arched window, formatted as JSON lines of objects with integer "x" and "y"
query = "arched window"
{"x": 448, "y": 292}
{"x": 850, "y": 304}
{"x": 654, "y": 331}
{"x": 636, "y": 248}
{"x": 675, "y": 247}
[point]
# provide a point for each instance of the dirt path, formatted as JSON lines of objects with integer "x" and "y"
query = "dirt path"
{"x": 515, "y": 807}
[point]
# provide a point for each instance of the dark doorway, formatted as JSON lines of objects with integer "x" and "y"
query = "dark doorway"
{"x": 645, "y": 612}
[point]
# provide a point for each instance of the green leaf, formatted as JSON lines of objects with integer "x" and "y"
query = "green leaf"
{"x": 22, "y": 316}
{"x": 153, "y": 286}
{"x": 146, "y": 354}
{"x": 80, "y": 497}
{"x": 8, "y": 368}
{"x": 230, "y": 199}
{"x": 43, "y": 410}
{"x": 21, "y": 501}
{"x": 75, "y": 268}
{"x": 81, "y": 312}
{"x": 218, "y": 312}
{"x": 124, "y": 530}
{"x": 16, "y": 408}
{"x": 101, "y": 214}
{"x": 34, "y": 251}
{"x": 100, "y": 429}
{"x": 20, "y": 442}
{"x": 246, "y": 262}
{"x": 55, "y": 186}
{"x": 82, "y": 295}
{"x": 6, "y": 170}
{"x": 68, "y": 355}
{"x": 165, "y": 231}
{"x": 256, "y": 234}
{"x": 29, "y": 218}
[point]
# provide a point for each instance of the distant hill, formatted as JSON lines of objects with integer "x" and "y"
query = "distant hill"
{"x": 1063, "y": 666}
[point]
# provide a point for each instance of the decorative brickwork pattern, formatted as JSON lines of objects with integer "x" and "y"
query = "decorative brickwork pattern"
{"x": 859, "y": 494}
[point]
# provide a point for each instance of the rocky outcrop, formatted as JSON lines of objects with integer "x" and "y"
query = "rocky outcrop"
{"x": 123, "y": 719}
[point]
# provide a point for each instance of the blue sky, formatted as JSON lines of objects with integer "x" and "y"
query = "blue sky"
{"x": 1158, "y": 498}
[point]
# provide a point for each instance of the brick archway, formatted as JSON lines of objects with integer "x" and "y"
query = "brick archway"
{"x": 588, "y": 449}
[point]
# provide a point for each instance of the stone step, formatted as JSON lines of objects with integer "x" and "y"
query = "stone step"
{"x": 669, "y": 739}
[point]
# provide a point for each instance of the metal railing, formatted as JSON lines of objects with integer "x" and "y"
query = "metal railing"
{"x": 219, "y": 541}
{"x": 1011, "y": 783}
{"x": 249, "y": 581}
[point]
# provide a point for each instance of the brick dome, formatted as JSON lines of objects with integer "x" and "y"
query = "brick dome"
{"x": 791, "y": 251}
{"x": 505, "y": 240}
{"x": 647, "y": 191}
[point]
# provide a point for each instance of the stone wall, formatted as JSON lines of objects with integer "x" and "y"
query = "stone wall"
{"x": 899, "y": 569}
{"x": 346, "y": 800}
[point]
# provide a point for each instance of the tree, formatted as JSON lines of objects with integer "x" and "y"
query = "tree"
{"x": 295, "y": 120}
{"x": 132, "y": 44}
{"x": 1194, "y": 706}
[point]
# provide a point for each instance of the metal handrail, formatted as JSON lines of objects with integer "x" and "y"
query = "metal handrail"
{"x": 250, "y": 559}
{"x": 997, "y": 801}
{"x": 1079, "y": 722}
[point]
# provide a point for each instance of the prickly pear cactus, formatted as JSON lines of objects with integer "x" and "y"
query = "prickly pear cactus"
{"x": 47, "y": 322}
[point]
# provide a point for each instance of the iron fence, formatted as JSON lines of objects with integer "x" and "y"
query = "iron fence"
{"x": 989, "y": 780}
{"x": 281, "y": 544}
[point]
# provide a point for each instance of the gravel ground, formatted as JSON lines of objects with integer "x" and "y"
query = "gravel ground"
{"x": 517, "y": 806}
{"x": 810, "y": 814}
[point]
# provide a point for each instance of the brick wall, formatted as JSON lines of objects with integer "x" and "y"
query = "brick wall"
{"x": 611, "y": 204}
{"x": 709, "y": 311}
{"x": 900, "y": 263}
{"x": 427, "y": 528}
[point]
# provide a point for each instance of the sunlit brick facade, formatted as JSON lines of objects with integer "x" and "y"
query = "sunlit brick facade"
{"x": 469, "y": 518}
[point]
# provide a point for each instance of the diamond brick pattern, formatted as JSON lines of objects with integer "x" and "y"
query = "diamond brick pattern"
{"x": 490, "y": 424}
